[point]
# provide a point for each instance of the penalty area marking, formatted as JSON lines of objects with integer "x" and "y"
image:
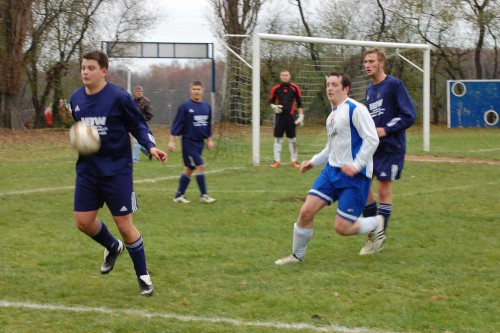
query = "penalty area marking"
{"x": 188, "y": 318}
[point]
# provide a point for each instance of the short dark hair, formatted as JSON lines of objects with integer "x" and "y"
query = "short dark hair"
{"x": 196, "y": 83}
{"x": 99, "y": 56}
{"x": 344, "y": 78}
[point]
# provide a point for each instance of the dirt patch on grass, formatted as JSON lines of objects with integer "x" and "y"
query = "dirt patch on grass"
{"x": 290, "y": 199}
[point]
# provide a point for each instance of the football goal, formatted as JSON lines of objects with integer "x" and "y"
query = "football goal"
{"x": 254, "y": 62}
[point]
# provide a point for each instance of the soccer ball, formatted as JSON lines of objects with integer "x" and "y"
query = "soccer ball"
{"x": 84, "y": 138}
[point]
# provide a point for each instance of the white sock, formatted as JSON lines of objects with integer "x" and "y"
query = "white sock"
{"x": 301, "y": 237}
{"x": 293, "y": 149}
{"x": 367, "y": 224}
{"x": 277, "y": 149}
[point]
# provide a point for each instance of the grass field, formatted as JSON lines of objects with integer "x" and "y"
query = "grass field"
{"x": 213, "y": 265}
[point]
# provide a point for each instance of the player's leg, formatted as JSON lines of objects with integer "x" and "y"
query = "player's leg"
{"x": 390, "y": 167}
{"x": 320, "y": 195}
{"x": 122, "y": 202}
{"x": 292, "y": 141}
{"x": 135, "y": 248}
{"x": 385, "y": 199}
{"x": 351, "y": 203}
{"x": 184, "y": 181}
{"x": 279, "y": 131}
{"x": 136, "y": 150}
{"x": 371, "y": 205}
{"x": 189, "y": 166}
{"x": 197, "y": 160}
{"x": 88, "y": 200}
{"x": 303, "y": 229}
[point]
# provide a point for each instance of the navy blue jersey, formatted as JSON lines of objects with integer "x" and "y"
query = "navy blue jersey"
{"x": 114, "y": 114}
{"x": 391, "y": 107}
{"x": 193, "y": 121}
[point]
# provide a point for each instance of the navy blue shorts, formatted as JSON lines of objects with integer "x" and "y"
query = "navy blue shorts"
{"x": 116, "y": 191}
{"x": 388, "y": 166}
{"x": 191, "y": 153}
{"x": 351, "y": 192}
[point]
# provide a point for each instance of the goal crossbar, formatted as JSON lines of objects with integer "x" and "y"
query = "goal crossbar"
{"x": 256, "y": 40}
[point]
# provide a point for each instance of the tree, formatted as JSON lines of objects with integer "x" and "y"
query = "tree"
{"x": 235, "y": 17}
{"x": 15, "y": 17}
{"x": 54, "y": 39}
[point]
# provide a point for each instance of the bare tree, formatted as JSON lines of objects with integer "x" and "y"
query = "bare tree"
{"x": 235, "y": 17}
{"x": 50, "y": 37}
{"x": 482, "y": 16}
{"x": 313, "y": 49}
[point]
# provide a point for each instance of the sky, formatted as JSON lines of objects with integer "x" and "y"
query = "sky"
{"x": 185, "y": 21}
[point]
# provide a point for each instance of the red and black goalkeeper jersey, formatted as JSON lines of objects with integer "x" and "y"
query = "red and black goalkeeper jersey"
{"x": 288, "y": 95}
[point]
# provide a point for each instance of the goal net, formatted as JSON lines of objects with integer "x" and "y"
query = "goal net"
{"x": 254, "y": 63}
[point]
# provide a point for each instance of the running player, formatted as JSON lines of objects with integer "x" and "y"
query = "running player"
{"x": 106, "y": 176}
{"x": 346, "y": 178}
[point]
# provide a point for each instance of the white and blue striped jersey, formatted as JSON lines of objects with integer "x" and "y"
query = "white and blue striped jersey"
{"x": 113, "y": 113}
{"x": 352, "y": 138}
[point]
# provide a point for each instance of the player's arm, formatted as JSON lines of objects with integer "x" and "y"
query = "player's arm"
{"x": 210, "y": 143}
{"x": 305, "y": 166}
{"x": 365, "y": 126}
{"x": 136, "y": 124}
{"x": 277, "y": 108}
{"x": 406, "y": 115}
{"x": 300, "y": 107}
{"x": 171, "y": 143}
{"x": 159, "y": 154}
{"x": 177, "y": 128}
{"x": 320, "y": 158}
{"x": 300, "y": 118}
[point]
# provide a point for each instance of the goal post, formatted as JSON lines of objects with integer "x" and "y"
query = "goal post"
{"x": 257, "y": 38}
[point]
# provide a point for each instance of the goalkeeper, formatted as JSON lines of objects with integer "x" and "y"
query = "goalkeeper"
{"x": 285, "y": 100}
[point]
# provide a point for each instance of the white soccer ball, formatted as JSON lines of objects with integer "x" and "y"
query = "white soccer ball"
{"x": 84, "y": 138}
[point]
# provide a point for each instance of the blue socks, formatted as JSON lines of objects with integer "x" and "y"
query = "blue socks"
{"x": 370, "y": 209}
{"x": 200, "y": 178}
{"x": 183, "y": 185}
{"x": 136, "y": 252}
{"x": 105, "y": 238}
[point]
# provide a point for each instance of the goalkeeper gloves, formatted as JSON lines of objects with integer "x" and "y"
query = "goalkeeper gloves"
{"x": 277, "y": 108}
{"x": 300, "y": 120}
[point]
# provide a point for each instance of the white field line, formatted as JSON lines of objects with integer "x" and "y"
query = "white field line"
{"x": 455, "y": 188}
{"x": 188, "y": 318}
{"x": 62, "y": 188}
{"x": 483, "y": 150}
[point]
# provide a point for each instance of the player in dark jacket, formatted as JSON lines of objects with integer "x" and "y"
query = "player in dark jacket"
{"x": 393, "y": 112}
{"x": 106, "y": 176}
{"x": 285, "y": 100}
